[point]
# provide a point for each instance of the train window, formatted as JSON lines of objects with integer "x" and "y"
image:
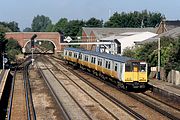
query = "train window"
{"x": 70, "y": 54}
{"x": 115, "y": 66}
{"x": 75, "y": 55}
{"x": 142, "y": 67}
{"x": 93, "y": 59}
{"x": 100, "y": 62}
{"x": 66, "y": 53}
{"x": 135, "y": 66}
{"x": 128, "y": 68}
{"x": 108, "y": 65}
{"x": 80, "y": 56}
{"x": 86, "y": 58}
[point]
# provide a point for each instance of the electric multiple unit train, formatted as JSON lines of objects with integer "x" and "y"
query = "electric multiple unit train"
{"x": 124, "y": 71}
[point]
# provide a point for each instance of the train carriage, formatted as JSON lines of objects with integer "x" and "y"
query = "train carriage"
{"x": 124, "y": 71}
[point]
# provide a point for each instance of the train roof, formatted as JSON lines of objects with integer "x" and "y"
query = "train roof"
{"x": 102, "y": 55}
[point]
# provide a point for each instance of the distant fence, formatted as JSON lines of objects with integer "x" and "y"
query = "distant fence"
{"x": 173, "y": 76}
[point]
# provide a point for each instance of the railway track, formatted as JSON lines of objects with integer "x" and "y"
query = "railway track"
{"x": 163, "y": 108}
{"x": 67, "y": 113}
{"x": 116, "y": 103}
{"x": 21, "y": 103}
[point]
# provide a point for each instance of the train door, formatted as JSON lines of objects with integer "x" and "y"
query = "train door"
{"x": 135, "y": 70}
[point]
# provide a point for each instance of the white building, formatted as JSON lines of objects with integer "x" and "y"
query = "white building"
{"x": 128, "y": 39}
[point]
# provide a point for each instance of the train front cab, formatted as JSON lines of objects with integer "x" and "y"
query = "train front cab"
{"x": 136, "y": 74}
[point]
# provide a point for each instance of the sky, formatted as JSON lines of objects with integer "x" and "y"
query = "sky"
{"x": 23, "y": 11}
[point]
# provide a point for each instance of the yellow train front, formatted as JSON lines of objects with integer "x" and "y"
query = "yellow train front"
{"x": 124, "y": 71}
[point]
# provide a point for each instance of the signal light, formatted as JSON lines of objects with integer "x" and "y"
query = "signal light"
{"x": 32, "y": 40}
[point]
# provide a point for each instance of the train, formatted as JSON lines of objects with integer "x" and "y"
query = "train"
{"x": 125, "y": 72}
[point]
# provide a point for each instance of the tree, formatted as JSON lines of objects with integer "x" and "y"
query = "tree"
{"x": 134, "y": 19}
{"x": 49, "y": 28}
{"x": 13, "y": 26}
{"x": 174, "y": 57}
{"x": 4, "y": 29}
{"x": 13, "y": 48}
{"x": 3, "y": 42}
{"x": 93, "y": 22}
{"x": 129, "y": 52}
{"x": 73, "y": 27}
{"x": 60, "y": 25}
{"x": 40, "y": 23}
{"x": 9, "y": 27}
{"x": 27, "y": 29}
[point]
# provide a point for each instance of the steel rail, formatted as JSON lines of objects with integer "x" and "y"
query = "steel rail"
{"x": 145, "y": 102}
{"x": 178, "y": 109}
{"x": 65, "y": 113}
{"x": 12, "y": 90}
{"x": 29, "y": 101}
{"x": 151, "y": 105}
{"x": 111, "y": 98}
{"x": 11, "y": 95}
{"x": 70, "y": 94}
{"x": 87, "y": 93}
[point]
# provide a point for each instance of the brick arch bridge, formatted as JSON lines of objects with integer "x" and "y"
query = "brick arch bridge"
{"x": 24, "y": 37}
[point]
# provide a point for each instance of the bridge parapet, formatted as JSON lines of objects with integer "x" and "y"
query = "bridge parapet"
{"x": 24, "y": 37}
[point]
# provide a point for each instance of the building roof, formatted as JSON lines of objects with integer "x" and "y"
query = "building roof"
{"x": 131, "y": 36}
{"x": 129, "y": 39}
{"x": 174, "y": 33}
{"x": 171, "y": 24}
{"x": 108, "y": 56}
{"x": 106, "y": 32}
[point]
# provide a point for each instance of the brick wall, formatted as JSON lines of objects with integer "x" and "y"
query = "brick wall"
{"x": 90, "y": 38}
{"x": 24, "y": 37}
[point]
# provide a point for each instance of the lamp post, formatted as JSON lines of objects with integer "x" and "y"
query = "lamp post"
{"x": 159, "y": 59}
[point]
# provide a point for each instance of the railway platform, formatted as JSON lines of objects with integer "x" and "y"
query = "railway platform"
{"x": 3, "y": 78}
{"x": 165, "y": 89}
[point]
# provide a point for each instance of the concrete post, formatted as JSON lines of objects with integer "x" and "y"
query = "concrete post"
{"x": 159, "y": 59}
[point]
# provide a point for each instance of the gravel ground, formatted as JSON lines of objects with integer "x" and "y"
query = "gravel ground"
{"x": 80, "y": 95}
{"x": 19, "y": 101}
{"x": 44, "y": 103}
{"x": 145, "y": 111}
